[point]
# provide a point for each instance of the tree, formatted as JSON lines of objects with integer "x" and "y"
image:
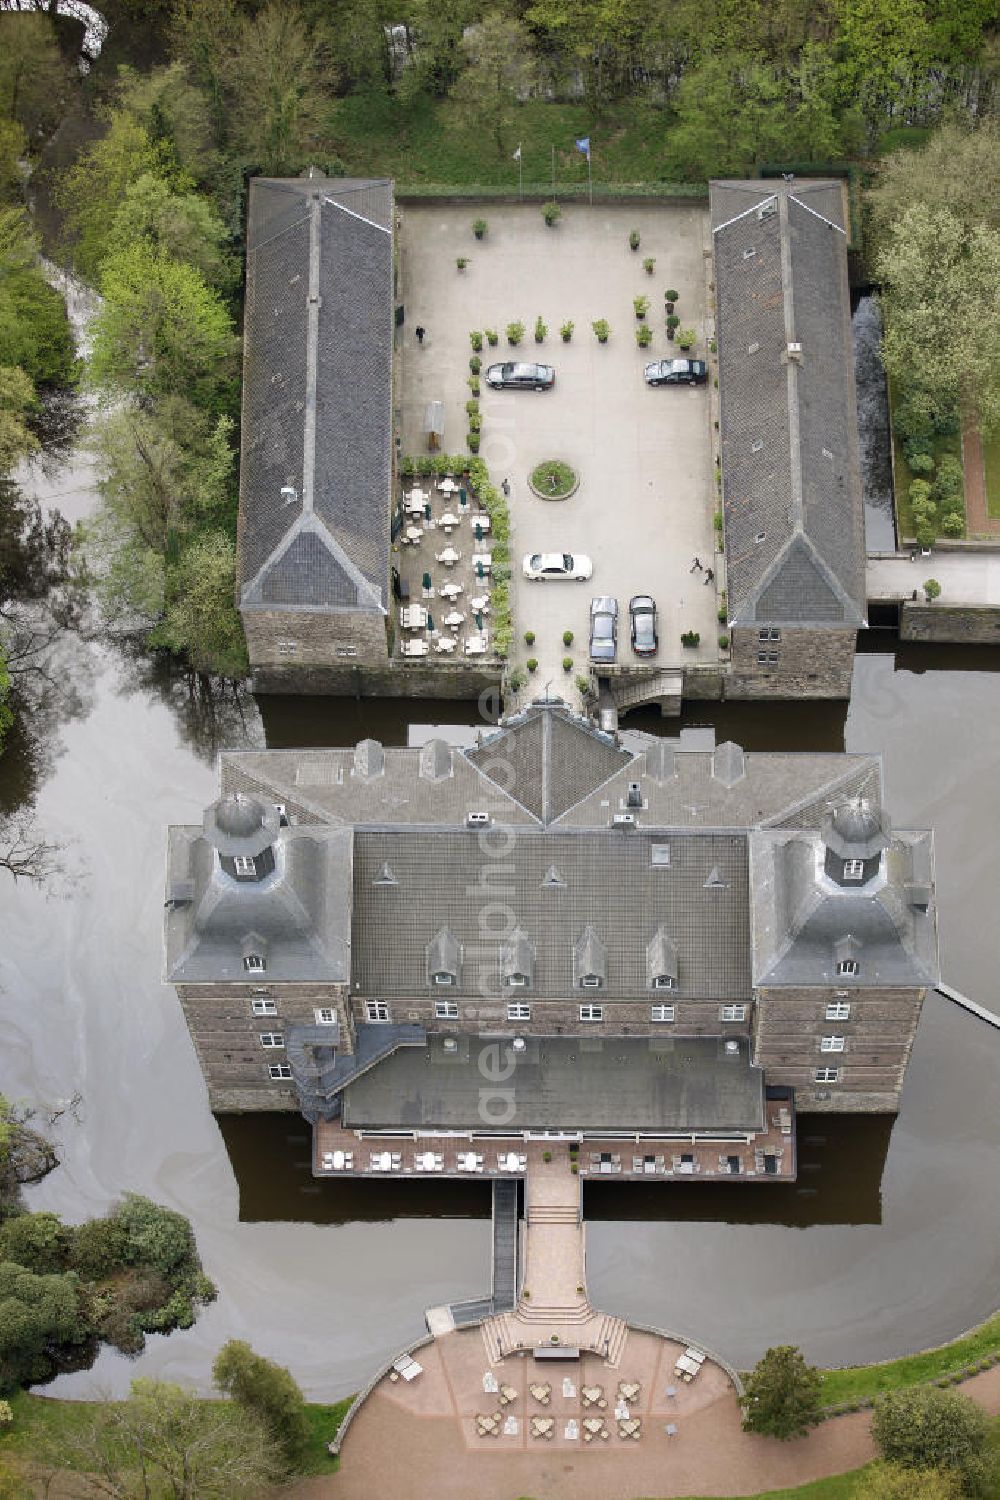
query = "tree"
{"x": 932, "y": 590}
{"x": 885, "y": 44}
{"x": 17, "y": 398}
{"x": 942, "y": 335}
{"x": 267, "y": 1393}
{"x": 499, "y": 70}
{"x": 34, "y": 78}
{"x": 165, "y": 1440}
{"x": 91, "y": 192}
{"x": 156, "y": 1236}
{"x": 182, "y": 226}
{"x": 38, "y": 1241}
{"x": 202, "y": 621}
{"x": 174, "y": 112}
{"x": 782, "y": 1394}
{"x": 893, "y": 1482}
{"x": 6, "y": 713}
{"x": 925, "y": 1427}
{"x": 34, "y": 329}
{"x": 277, "y": 85}
{"x": 161, "y": 330}
{"x": 37, "y": 1314}
{"x": 958, "y": 170}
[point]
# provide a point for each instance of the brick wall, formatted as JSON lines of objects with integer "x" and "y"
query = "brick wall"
{"x": 226, "y": 1036}
{"x": 811, "y": 664}
{"x": 974, "y": 625}
{"x": 316, "y": 636}
{"x": 878, "y": 1037}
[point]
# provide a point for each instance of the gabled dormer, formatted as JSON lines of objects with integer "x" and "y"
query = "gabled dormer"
{"x": 662, "y": 970}
{"x": 590, "y": 961}
{"x": 517, "y": 961}
{"x": 444, "y": 960}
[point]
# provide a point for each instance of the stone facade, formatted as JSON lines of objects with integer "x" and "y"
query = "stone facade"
{"x": 811, "y": 663}
{"x": 303, "y": 638}
{"x": 965, "y": 624}
{"x": 788, "y": 1028}
{"x": 226, "y": 1034}
{"x": 447, "y": 680}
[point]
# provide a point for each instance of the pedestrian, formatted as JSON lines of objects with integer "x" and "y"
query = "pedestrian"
{"x": 419, "y": 331}
{"x": 709, "y": 575}
{"x": 506, "y": 488}
{"x": 695, "y": 566}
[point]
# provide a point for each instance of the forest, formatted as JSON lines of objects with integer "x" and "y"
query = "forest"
{"x": 189, "y": 99}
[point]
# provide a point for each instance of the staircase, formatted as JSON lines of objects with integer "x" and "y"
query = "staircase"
{"x": 553, "y": 1213}
{"x": 664, "y": 687}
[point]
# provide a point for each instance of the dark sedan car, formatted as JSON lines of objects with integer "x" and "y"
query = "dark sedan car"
{"x": 642, "y": 613}
{"x": 603, "y": 628}
{"x": 515, "y": 376}
{"x": 677, "y": 372}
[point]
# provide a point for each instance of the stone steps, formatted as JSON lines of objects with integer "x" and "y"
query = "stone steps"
{"x": 611, "y": 1337}
{"x": 554, "y": 1213}
{"x": 576, "y": 1312}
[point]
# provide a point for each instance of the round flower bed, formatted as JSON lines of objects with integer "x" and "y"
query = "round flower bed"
{"x": 553, "y": 480}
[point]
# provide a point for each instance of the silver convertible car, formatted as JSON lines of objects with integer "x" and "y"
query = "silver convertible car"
{"x": 541, "y": 565}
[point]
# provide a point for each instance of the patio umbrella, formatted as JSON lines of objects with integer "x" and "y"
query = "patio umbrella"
{"x": 463, "y": 499}
{"x": 479, "y": 532}
{"x": 427, "y": 510}
{"x": 427, "y": 581}
{"x": 479, "y": 570}
{"x": 479, "y": 619}
{"x": 430, "y": 620}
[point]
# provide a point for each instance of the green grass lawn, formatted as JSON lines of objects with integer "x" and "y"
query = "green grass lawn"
{"x": 991, "y": 462}
{"x": 865, "y": 1381}
{"x": 433, "y": 141}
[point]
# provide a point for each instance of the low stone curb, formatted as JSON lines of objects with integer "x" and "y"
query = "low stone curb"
{"x": 541, "y": 495}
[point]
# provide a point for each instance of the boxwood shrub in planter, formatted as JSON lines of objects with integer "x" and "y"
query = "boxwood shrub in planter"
{"x": 690, "y": 637}
{"x": 461, "y": 263}
{"x": 566, "y": 332}
{"x": 529, "y": 637}
{"x": 567, "y": 664}
{"x": 633, "y": 239}
{"x": 492, "y": 337}
{"x": 475, "y": 364}
{"x": 649, "y": 265}
{"x": 476, "y": 340}
{"x": 551, "y": 213}
{"x": 515, "y": 333}
{"x": 641, "y": 306}
{"x": 532, "y": 664}
{"x": 644, "y": 335}
{"x": 473, "y": 442}
{"x": 567, "y": 637}
{"x": 541, "y": 329}
{"x": 602, "y": 328}
{"x": 479, "y": 228}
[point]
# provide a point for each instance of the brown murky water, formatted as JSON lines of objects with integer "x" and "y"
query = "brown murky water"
{"x": 331, "y": 1278}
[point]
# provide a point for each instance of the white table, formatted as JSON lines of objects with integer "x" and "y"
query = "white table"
{"x": 413, "y": 533}
{"x": 447, "y": 486}
{"x": 418, "y": 496}
{"x": 449, "y": 557}
{"x": 413, "y": 617}
{"x": 338, "y": 1161}
{"x": 481, "y": 601}
{"x": 452, "y": 590}
{"x": 415, "y": 648}
{"x": 445, "y": 643}
{"x": 425, "y": 1161}
{"x": 482, "y": 560}
{"x": 448, "y": 520}
{"x": 454, "y": 618}
{"x": 475, "y": 645}
{"x": 511, "y": 1162}
{"x": 686, "y": 1366}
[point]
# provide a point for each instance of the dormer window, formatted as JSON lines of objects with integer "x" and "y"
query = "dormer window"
{"x": 255, "y": 963}
{"x": 847, "y": 966}
{"x": 245, "y": 864}
{"x": 664, "y": 982}
{"x": 854, "y": 869}
{"x": 591, "y": 981}
{"x": 517, "y": 981}
{"x": 442, "y": 978}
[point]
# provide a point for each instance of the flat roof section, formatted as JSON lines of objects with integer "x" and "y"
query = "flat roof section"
{"x": 568, "y": 1082}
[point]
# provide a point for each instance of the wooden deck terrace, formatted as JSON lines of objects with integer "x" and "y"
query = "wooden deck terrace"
{"x": 768, "y": 1156}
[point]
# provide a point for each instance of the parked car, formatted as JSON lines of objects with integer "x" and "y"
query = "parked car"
{"x": 541, "y": 565}
{"x": 513, "y": 375}
{"x": 677, "y": 372}
{"x": 603, "y": 628}
{"x": 642, "y": 615}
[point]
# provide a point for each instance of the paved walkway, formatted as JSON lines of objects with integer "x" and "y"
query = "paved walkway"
{"x": 966, "y": 577}
{"x": 979, "y": 522}
{"x": 393, "y": 1448}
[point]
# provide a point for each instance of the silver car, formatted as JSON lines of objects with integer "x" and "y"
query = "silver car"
{"x": 603, "y": 628}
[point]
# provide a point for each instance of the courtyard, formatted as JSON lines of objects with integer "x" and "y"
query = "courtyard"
{"x": 643, "y": 509}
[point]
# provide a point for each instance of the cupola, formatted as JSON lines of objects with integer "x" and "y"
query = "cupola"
{"x": 243, "y": 831}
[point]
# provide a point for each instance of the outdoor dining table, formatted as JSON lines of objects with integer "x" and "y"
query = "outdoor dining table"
{"x": 381, "y": 1161}
{"x": 630, "y": 1428}
{"x": 454, "y": 618}
{"x": 466, "y": 1161}
{"x": 511, "y": 1162}
{"x": 447, "y": 485}
{"x": 337, "y": 1161}
{"x": 488, "y": 1426}
{"x": 448, "y": 520}
{"x": 686, "y": 1368}
{"x": 481, "y": 601}
{"x": 413, "y": 533}
{"x": 418, "y": 496}
{"x": 452, "y": 590}
{"x": 445, "y": 643}
{"x": 508, "y": 1394}
{"x": 542, "y": 1427}
{"x": 541, "y": 1392}
{"x": 592, "y": 1395}
{"x": 449, "y": 557}
{"x": 475, "y": 645}
{"x": 415, "y": 648}
{"x": 629, "y": 1390}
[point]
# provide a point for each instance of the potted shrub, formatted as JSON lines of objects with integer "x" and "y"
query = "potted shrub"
{"x": 932, "y": 589}
{"x": 476, "y": 340}
{"x": 649, "y": 265}
{"x": 529, "y": 637}
{"x": 722, "y": 615}
{"x": 567, "y": 664}
{"x": 724, "y": 641}
{"x": 475, "y": 364}
{"x": 479, "y": 228}
{"x": 541, "y": 329}
{"x": 669, "y": 298}
{"x": 641, "y": 306}
{"x": 475, "y": 421}
{"x": 474, "y": 384}
{"x": 492, "y": 337}
{"x": 546, "y": 1156}
{"x": 644, "y": 335}
{"x": 690, "y": 638}
{"x": 515, "y": 333}
{"x": 583, "y": 685}
{"x": 566, "y": 332}
{"x": 686, "y": 338}
{"x": 602, "y": 329}
{"x": 551, "y": 213}
{"x": 672, "y": 323}
{"x": 567, "y": 637}
{"x": 516, "y": 680}
{"x": 532, "y": 663}
{"x": 472, "y": 441}
{"x": 633, "y": 239}
{"x": 461, "y": 263}
{"x": 472, "y": 407}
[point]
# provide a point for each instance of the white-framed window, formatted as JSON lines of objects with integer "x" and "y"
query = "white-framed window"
{"x": 255, "y": 963}
{"x": 732, "y": 1012}
{"x": 272, "y": 1039}
{"x": 287, "y": 648}
{"x": 838, "y": 1010}
{"x": 517, "y": 1012}
{"x": 769, "y": 633}
{"x": 664, "y": 982}
{"x": 847, "y": 966}
{"x": 325, "y": 1016}
{"x": 827, "y": 1075}
{"x": 517, "y": 981}
{"x": 661, "y": 1012}
{"x": 591, "y": 981}
{"x": 831, "y": 1044}
{"x": 854, "y": 869}
{"x": 767, "y": 658}
{"x": 263, "y": 1008}
{"x": 244, "y": 864}
{"x": 444, "y": 979}
{"x": 376, "y": 1010}
{"x": 591, "y": 1012}
{"x": 446, "y": 1010}
{"x": 279, "y": 1070}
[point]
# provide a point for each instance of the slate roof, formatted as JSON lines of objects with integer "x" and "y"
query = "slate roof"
{"x": 317, "y": 395}
{"x": 600, "y": 921}
{"x": 574, "y": 1083}
{"x": 803, "y": 923}
{"x": 551, "y": 757}
{"x": 300, "y": 913}
{"x": 794, "y": 518}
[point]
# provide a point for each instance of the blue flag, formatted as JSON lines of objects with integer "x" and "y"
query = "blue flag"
{"x": 583, "y": 146}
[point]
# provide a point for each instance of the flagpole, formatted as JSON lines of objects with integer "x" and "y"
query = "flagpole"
{"x": 590, "y": 179}
{"x": 553, "y": 171}
{"x": 520, "y": 176}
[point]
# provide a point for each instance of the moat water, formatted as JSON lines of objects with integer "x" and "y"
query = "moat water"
{"x": 889, "y": 1240}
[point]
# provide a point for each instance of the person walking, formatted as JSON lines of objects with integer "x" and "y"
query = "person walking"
{"x": 695, "y": 566}
{"x": 420, "y": 331}
{"x": 506, "y": 488}
{"x": 709, "y": 575}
